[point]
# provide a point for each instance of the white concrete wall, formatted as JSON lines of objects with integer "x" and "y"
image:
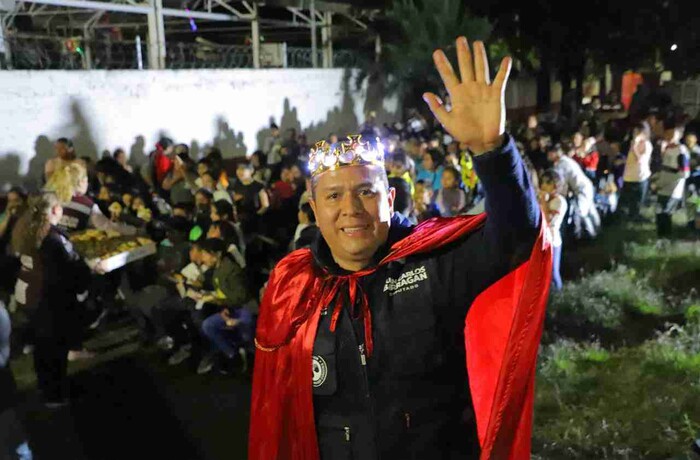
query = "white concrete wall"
{"x": 230, "y": 108}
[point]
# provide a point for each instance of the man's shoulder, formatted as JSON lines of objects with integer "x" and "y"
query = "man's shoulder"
{"x": 293, "y": 263}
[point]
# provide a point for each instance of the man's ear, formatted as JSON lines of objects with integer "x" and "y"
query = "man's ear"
{"x": 312, "y": 203}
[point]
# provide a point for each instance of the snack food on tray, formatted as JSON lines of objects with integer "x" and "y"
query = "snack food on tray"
{"x": 111, "y": 248}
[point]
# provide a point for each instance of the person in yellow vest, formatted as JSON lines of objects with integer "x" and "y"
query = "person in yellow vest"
{"x": 399, "y": 167}
{"x": 466, "y": 165}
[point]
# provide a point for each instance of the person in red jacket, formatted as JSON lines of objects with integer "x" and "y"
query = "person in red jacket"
{"x": 361, "y": 339}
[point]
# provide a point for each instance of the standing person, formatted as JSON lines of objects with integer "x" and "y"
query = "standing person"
{"x": 261, "y": 172}
{"x": 159, "y": 164}
{"x": 376, "y": 309}
{"x": 250, "y": 198}
{"x": 691, "y": 142}
{"x": 587, "y": 217}
{"x": 16, "y": 204}
{"x": 674, "y": 170}
{"x": 637, "y": 173}
{"x": 70, "y": 185}
{"x": 65, "y": 155}
{"x": 52, "y": 281}
{"x": 272, "y": 146}
{"x": 119, "y": 156}
{"x": 431, "y": 169}
{"x": 451, "y": 200}
{"x": 553, "y": 203}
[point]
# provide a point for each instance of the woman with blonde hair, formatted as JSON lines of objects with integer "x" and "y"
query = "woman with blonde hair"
{"x": 70, "y": 184}
{"x": 52, "y": 280}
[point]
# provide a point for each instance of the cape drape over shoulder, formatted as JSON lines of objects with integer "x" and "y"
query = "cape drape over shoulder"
{"x": 502, "y": 335}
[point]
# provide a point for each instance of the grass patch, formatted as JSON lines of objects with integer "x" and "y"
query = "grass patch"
{"x": 615, "y": 306}
{"x": 631, "y": 403}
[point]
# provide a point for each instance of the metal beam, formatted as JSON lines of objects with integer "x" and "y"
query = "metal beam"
{"x": 140, "y": 8}
{"x": 314, "y": 46}
{"x": 302, "y": 16}
{"x": 233, "y": 10}
{"x": 255, "y": 26}
{"x": 356, "y": 21}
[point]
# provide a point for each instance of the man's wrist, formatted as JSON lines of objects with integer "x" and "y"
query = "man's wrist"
{"x": 489, "y": 147}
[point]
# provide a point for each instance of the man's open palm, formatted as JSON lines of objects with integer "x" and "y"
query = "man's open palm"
{"x": 478, "y": 113}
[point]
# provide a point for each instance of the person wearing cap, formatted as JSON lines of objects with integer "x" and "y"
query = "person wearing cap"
{"x": 361, "y": 339}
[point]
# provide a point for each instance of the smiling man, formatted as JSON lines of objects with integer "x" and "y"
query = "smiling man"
{"x": 361, "y": 340}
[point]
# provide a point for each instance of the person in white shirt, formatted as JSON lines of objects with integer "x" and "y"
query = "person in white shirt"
{"x": 576, "y": 183}
{"x": 554, "y": 205}
{"x": 670, "y": 181}
{"x": 637, "y": 172}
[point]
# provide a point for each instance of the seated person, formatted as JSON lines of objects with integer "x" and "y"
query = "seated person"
{"x": 231, "y": 328}
{"x": 307, "y": 231}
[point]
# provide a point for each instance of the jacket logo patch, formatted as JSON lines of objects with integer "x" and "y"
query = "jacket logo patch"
{"x": 406, "y": 282}
{"x": 320, "y": 371}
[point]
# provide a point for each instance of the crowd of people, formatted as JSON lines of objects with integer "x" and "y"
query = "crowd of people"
{"x": 221, "y": 224}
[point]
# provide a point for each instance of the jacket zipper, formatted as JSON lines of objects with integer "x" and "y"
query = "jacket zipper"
{"x": 407, "y": 416}
{"x": 347, "y": 433}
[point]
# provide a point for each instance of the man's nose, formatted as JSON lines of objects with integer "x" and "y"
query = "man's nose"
{"x": 350, "y": 204}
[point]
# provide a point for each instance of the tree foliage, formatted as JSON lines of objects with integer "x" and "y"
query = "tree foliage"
{"x": 421, "y": 27}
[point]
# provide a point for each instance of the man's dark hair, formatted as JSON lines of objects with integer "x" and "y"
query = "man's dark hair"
{"x": 552, "y": 176}
{"x": 213, "y": 246}
{"x": 245, "y": 163}
{"x": 403, "y": 202}
{"x": 224, "y": 209}
{"x": 165, "y": 142}
{"x": 274, "y": 126}
{"x": 558, "y": 148}
{"x": 400, "y": 158}
{"x": 262, "y": 159}
{"x": 228, "y": 232}
{"x": 455, "y": 173}
{"x": 436, "y": 155}
{"x": 65, "y": 141}
{"x": 306, "y": 209}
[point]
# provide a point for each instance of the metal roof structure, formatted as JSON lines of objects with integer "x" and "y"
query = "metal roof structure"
{"x": 248, "y": 21}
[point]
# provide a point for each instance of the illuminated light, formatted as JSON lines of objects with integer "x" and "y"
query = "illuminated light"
{"x": 674, "y": 47}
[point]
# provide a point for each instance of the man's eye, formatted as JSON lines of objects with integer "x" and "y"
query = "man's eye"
{"x": 332, "y": 196}
{"x": 367, "y": 192}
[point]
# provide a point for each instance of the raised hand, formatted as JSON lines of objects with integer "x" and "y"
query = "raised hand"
{"x": 478, "y": 114}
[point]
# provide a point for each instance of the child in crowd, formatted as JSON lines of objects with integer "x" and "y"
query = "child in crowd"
{"x": 554, "y": 206}
{"x": 424, "y": 208}
{"x": 307, "y": 231}
{"x": 451, "y": 200}
{"x": 398, "y": 166}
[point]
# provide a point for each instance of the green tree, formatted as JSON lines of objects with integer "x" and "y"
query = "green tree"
{"x": 415, "y": 29}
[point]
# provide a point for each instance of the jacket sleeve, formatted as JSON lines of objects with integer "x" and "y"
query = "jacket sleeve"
{"x": 511, "y": 205}
{"x": 232, "y": 284}
{"x": 504, "y": 242}
{"x": 68, "y": 273}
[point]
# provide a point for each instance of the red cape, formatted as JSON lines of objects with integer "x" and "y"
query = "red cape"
{"x": 502, "y": 335}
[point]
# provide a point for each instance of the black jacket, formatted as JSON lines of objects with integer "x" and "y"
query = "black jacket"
{"x": 53, "y": 278}
{"x": 410, "y": 400}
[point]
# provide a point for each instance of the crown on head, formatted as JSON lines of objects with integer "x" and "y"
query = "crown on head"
{"x": 328, "y": 157}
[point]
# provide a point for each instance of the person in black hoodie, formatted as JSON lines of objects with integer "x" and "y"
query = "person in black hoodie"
{"x": 51, "y": 282}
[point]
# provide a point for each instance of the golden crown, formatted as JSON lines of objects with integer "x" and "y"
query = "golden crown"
{"x": 328, "y": 157}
